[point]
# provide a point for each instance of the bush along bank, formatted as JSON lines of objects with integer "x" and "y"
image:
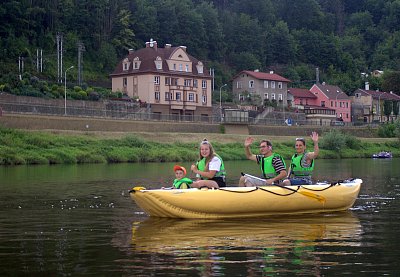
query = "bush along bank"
{"x": 22, "y": 147}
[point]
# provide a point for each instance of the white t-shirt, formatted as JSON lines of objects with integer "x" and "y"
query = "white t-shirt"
{"x": 215, "y": 164}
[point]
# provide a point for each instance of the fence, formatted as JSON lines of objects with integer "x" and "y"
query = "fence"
{"x": 129, "y": 112}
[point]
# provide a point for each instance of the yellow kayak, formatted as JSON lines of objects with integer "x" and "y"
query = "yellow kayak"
{"x": 242, "y": 202}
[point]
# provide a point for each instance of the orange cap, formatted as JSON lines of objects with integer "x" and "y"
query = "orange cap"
{"x": 178, "y": 167}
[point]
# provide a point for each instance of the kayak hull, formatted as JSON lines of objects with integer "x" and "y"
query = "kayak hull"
{"x": 243, "y": 202}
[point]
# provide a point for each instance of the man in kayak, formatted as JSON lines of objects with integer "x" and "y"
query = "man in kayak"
{"x": 272, "y": 165}
{"x": 302, "y": 164}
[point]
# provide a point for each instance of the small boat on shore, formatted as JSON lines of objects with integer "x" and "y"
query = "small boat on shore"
{"x": 245, "y": 202}
{"x": 382, "y": 155}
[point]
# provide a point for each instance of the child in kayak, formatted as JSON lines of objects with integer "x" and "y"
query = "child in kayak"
{"x": 181, "y": 182}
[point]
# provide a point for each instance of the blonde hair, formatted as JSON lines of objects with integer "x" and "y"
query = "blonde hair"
{"x": 212, "y": 152}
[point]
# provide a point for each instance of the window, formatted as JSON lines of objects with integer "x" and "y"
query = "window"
{"x": 272, "y": 84}
{"x": 273, "y": 96}
{"x": 191, "y": 97}
{"x": 238, "y": 84}
{"x": 266, "y": 95}
{"x": 168, "y": 96}
{"x": 203, "y": 84}
{"x": 157, "y": 95}
{"x": 265, "y": 84}
{"x": 347, "y": 104}
{"x": 322, "y": 103}
{"x": 180, "y": 67}
{"x": 157, "y": 80}
{"x": 174, "y": 66}
{"x": 125, "y": 82}
{"x": 187, "y": 68}
{"x": 241, "y": 97}
{"x": 126, "y": 65}
{"x": 187, "y": 82}
{"x": 251, "y": 84}
{"x": 331, "y": 103}
{"x": 167, "y": 80}
{"x": 204, "y": 99}
{"x": 178, "y": 96}
{"x": 136, "y": 65}
{"x": 280, "y": 85}
{"x": 195, "y": 83}
{"x": 280, "y": 97}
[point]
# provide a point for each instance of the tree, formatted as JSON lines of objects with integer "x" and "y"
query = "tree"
{"x": 387, "y": 108}
{"x": 391, "y": 82}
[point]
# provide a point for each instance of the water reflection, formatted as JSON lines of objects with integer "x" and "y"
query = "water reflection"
{"x": 260, "y": 244}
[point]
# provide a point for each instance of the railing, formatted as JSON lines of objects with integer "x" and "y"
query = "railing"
{"x": 128, "y": 114}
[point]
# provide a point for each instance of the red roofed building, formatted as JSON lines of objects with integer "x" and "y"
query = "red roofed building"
{"x": 266, "y": 86}
{"x": 370, "y": 104}
{"x": 333, "y": 97}
{"x": 301, "y": 97}
{"x": 169, "y": 79}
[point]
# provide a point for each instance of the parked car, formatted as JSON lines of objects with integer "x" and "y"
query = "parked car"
{"x": 337, "y": 123}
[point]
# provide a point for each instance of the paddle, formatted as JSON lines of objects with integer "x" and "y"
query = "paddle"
{"x": 317, "y": 197}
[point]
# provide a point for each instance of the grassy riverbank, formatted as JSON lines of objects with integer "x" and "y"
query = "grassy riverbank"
{"x": 19, "y": 147}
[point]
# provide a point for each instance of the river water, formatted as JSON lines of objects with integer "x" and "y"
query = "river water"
{"x": 78, "y": 220}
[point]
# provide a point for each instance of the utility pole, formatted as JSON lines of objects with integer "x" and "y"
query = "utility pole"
{"x": 81, "y": 48}
{"x": 59, "y": 58}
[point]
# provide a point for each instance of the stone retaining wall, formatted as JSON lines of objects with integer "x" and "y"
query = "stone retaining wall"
{"x": 37, "y": 122}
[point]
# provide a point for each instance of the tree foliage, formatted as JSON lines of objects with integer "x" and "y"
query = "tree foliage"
{"x": 342, "y": 38}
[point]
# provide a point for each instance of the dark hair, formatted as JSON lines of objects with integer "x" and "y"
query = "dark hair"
{"x": 266, "y": 141}
{"x": 302, "y": 140}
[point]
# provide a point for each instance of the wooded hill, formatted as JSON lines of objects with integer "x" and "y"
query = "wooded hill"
{"x": 342, "y": 38}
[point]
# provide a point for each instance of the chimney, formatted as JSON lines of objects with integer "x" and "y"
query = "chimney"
{"x": 151, "y": 44}
{"x": 168, "y": 45}
{"x": 130, "y": 51}
{"x": 366, "y": 86}
{"x": 271, "y": 72}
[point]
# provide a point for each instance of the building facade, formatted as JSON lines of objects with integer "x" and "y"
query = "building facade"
{"x": 332, "y": 97}
{"x": 265, "y": 86}
{"x": 370, "y": 105}
{"x": 168, "y": 81}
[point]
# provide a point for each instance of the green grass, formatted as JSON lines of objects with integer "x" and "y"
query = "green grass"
{"x": 19, "y": 147}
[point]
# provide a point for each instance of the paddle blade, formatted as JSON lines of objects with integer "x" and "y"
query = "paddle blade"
{"x": 317, "y": 197}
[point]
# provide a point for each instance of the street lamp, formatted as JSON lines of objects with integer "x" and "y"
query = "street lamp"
{"x": 65, "y": 89}
{"x": 379, "y": 106}
{"x": 220, "y": 99}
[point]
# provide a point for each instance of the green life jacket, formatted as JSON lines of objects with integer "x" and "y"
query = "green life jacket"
{"x": 183, "y": 183}
{"x": 266, "y": 166}
{"x": 297, "y": 169}
{"x": 201, "y": 165}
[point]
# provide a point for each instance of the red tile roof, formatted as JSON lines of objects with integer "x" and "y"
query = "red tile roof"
{"x": 332, "y": 92}
{"x": 148, "y": 55}
{"x": 264, "y": 76}
{"x": 301, "y": 92}
{"x": 379, "y": 94}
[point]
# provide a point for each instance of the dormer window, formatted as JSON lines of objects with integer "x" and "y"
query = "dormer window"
{"x": 199, "y": 67}
{"x": 136, "y": 63}
{"x": 125, "y": 64}
{"x": 158, "y": 63}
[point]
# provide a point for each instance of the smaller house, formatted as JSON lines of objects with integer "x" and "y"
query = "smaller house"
{"x": 332, "y": 97}
{"x": 300, "y": 97}
{"x": 369, "y": 104}
{"x": 260, "y": 85}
